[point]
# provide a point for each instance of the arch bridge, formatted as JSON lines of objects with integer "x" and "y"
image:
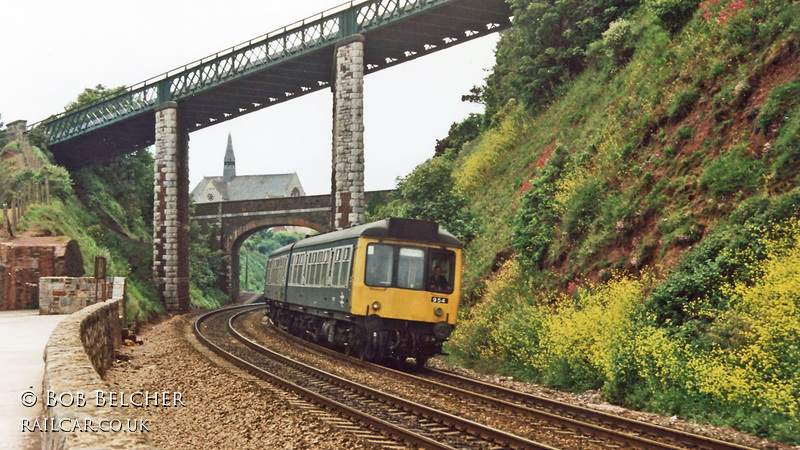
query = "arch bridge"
{"x": 229, "y": 224}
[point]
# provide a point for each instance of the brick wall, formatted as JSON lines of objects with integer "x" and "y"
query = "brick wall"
{"x": 22, "y": 267}
{"x": 23, "y": 262}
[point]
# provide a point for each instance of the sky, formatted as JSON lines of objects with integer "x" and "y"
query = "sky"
{"x": 53, "y": 49}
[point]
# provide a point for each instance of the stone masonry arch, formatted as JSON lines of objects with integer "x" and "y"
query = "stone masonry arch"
{"x": 229, "y": 224}
{"x": 240, "y": 235}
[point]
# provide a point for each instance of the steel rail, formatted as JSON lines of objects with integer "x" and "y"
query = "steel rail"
{"x": 565, "y": 414}
{"x": 465, "y": 426}
{"x": 675, "y": 436}
{"x": 308, "y": 395}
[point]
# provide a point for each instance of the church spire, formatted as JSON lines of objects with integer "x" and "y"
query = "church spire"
{"x": 229, "y": 170}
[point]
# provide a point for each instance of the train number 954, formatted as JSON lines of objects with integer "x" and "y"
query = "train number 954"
{"x": 438, "y": 300}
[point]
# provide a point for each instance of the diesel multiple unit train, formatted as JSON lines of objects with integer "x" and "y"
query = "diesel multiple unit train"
{"x": 383, "y": 291}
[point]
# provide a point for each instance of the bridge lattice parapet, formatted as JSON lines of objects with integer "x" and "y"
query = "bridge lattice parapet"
{"x": 273, "y": 68}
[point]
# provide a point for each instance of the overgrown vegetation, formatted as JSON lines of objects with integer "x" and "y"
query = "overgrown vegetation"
{"x": 3, "y": 135}
{"x": 635, "y": 191}
{"x": 108, "y": 210}
{"x": 254, "y": 256}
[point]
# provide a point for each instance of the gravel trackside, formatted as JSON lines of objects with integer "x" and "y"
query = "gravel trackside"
{"x": 225, "y": 408}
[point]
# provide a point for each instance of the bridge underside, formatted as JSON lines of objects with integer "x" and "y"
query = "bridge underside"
{"x": 238, "y": 83}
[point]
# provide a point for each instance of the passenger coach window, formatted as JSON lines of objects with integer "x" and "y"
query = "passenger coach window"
{"x": 411, "y": 268}
{"x": 380, "y": 265}
{"x": 441, "y": 271}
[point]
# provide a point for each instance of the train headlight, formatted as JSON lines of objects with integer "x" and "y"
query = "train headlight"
{"x": 376, "y": 306}
{"x": 439, "y": 312}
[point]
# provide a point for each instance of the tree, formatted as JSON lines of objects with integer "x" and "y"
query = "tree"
{"x": 546, "y": 47}
{"x": 460, "y": 134}
{"x": 91, "y": 95}
{"x": 3, "y": 135}
{"x": 430, "y": 193}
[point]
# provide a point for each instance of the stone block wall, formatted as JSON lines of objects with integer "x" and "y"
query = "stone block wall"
{"x": 65, "y": 295}
{"x": 79, "y": 348}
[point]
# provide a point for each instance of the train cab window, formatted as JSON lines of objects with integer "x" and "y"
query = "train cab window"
{"x": 411, "y": 268}
{"x": 380, "y": 265}
{"x": 441, "y": 271}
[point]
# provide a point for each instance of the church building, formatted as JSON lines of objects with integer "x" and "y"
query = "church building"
{"x": 230, "y": 187}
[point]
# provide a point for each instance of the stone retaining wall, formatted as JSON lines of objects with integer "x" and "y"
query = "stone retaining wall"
{"x": 79, "y": 350}
{"x": 64, "y": 295}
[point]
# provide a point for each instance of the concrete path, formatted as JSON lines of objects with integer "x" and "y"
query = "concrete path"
{"x": 23, "y": 336}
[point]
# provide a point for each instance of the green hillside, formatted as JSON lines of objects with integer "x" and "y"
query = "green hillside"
{"x": 108, "y": 210}
{"x": 631, "y": 207}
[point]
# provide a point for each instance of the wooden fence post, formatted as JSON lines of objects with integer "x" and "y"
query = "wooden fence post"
{"x": 14, "y": 212}
{"x": 47, "y": 188}
{"x": 6, "y": 222}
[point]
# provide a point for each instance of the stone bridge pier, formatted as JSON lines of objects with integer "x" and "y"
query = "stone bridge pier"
{"x": 348, "y": 133}
{"x": 171, "y": 210}
{"x": 171, "y": 189}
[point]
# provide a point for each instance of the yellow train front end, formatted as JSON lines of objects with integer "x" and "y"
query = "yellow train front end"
{"x": 408, "y": 294}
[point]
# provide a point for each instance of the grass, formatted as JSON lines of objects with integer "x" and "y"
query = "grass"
{"x": 644, "y": 188}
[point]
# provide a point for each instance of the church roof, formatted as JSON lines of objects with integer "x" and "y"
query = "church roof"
{"x": 257, "y": 186}
{"x": 248, "y": 187}
{"x": 230, "y": 187}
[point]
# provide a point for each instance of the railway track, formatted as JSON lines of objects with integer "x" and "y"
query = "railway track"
{"x": 586, "y": 427}
{"x": 384, "y": 419}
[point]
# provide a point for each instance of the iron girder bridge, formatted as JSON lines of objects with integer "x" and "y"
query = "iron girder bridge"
{"x": 273, "y": 68}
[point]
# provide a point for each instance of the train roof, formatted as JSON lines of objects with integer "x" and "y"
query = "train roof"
{"x": 421, "y": 231}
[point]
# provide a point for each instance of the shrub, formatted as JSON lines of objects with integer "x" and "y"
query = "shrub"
{"x": 732, "y": 172}
{"x": 780, "y": 100}
{"x": 742, "y": 370}
{"x": 58, "y": 179}
{"x": 581, "y": 207}
{"x": 787, "y": 150}
{"x": 762, "y": 329}
{"x": 535, "y": 221}
{"x": 672, "y": 14}
{"x": 480, "y": 164}
{"x": 618, "y": 40}
{"x": 683, "y": 102}
{"x": 582, "y": 343}
{"x": 684, "y": 133}
{"x": 475, "y": 341}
